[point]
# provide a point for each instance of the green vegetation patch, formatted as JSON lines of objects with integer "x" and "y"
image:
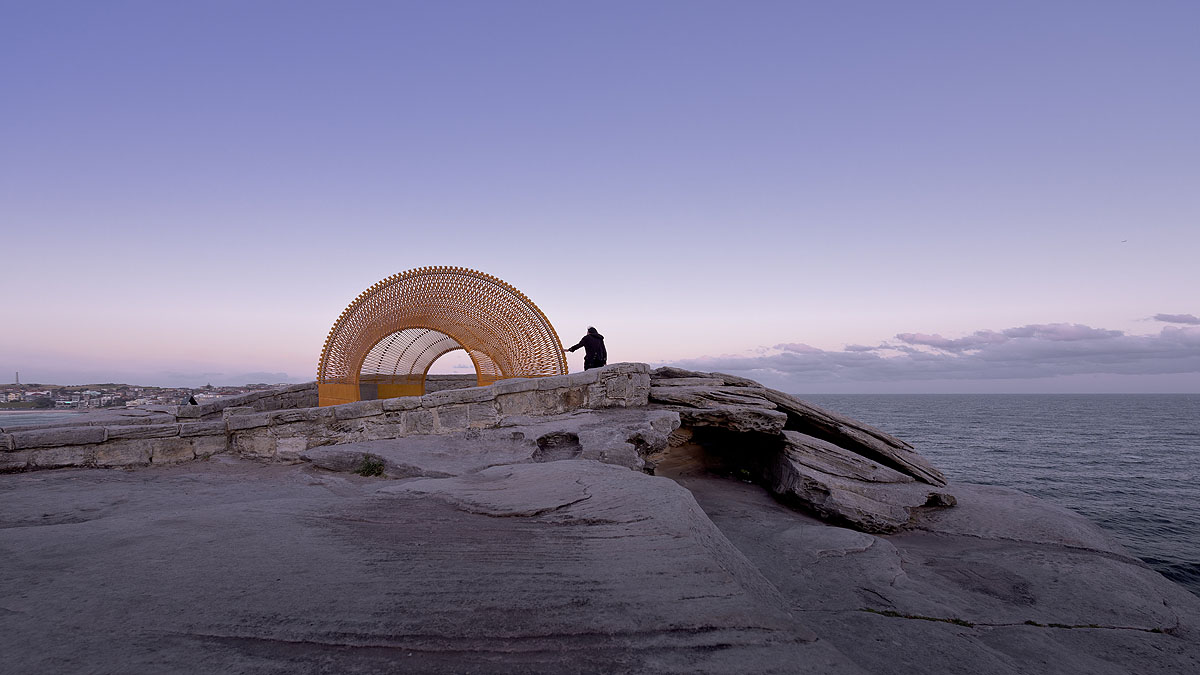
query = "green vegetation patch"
{"x": 370, "y": 466}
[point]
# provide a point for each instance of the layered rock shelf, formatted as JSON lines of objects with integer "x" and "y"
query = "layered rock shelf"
{"x": 828, "y": 464}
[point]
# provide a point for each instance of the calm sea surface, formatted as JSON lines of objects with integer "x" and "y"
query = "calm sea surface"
{"x": 1130, "y": 463}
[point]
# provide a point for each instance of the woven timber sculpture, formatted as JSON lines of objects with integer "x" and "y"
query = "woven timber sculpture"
{"x": 393, "y": 332}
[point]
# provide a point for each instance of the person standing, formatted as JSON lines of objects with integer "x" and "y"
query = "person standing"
{"x": 594, "y": 353}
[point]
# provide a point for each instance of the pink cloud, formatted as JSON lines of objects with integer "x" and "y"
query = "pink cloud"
{"x": 1189, "y": 319}
{"x": 973, "y": 341}
{"x": 1061, "y": 332}
{"x": 797, "y": 347}
{"x": 860, "y": 348}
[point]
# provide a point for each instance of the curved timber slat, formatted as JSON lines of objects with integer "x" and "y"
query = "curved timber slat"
{"x": 393, "y": 332}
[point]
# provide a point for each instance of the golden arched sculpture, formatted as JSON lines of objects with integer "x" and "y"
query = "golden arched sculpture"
{"x": 393, "y": 332}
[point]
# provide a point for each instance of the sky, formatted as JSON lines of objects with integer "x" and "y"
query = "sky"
{"x": 830, "y": 197}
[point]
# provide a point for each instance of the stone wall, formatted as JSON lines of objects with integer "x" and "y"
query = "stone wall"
{"x": 443, "y": 382}
{"x": 280, "y": 433}
{"x": 285, "y": 398}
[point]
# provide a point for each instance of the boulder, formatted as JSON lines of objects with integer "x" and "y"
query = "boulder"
{"x": 855, "y": 436}
{"x": 838, "y": 469}
{"x": 688, "y": 382}
{"x": 679, "y": 387}
{"x": 846, "y": 488}
{"x": 736, "y": 419}
{"x": 663, "y": 376}
{"x": 708, "y": 396}
{"x": 671, "y": 372}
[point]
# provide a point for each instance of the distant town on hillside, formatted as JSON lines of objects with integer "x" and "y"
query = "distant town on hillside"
{"x": 110, "y": 395}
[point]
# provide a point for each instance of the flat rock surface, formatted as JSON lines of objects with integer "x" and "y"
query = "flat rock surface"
{"x": 101, "y": 417}
{"x": 229, "y": 566}
{"x": 553, "y": 566}
{"x": 1002, "y": 583}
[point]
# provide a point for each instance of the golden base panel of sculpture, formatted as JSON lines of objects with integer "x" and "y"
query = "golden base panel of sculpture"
{"x": 386, "y": 340}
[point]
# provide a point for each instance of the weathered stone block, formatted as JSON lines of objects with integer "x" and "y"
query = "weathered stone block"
{"x": 574, "y": 397}
{"x": 131, "y": 452}
{"x": 596, "y": 396}
{"x": 171, "y": 451}
{"x": 483, "y": 415}
{"x": 240, "y": 422}
{"x": 6, "y": 443}
{"x": 254, "y": 444}
{"x": 349, "y": 411}
{"x": 586, "y": 377}
{"x": 452, "y": 418}
{"x": 142, "y": 431}
{"x": 617, "y": 386}
{"x": 290, "y": 448}
{"x": 518, "y": 403}
{"x": 402, "y": 403}
{"x": 419, "y": 422}
{"x": 190, "y": 412}
{"x": 625, "y": 368}
{"x": 513, "y": 385}
{"x": 215, "y": 427}
{"x": 453, "y": 396}
{"x": 290, "y": 416}
{"x": 53, "y": 458}
{"x": 207, "y": 446}
{"x": 59, "y": 436}
{"x": 553, "y": 401}
{"x": 553, "y": 382}
{"x": 639, "y": 390}
{"x": 665, "y": 421}
{"x": 388, "y": 425}
{"x": 233, "y": 411}
{"x": 297, "y": 430}
{"x": 11, "y": 462}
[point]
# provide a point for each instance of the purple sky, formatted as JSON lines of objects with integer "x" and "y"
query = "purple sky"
{"x": 830, "y": 197}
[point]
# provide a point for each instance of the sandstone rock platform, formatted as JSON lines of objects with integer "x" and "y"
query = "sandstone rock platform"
{"x": 774, "y": 537}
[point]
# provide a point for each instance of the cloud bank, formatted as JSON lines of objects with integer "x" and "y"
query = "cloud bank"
{"x": 1029, "y": 353}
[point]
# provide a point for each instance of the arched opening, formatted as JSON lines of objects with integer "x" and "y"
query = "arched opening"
{"x": 385, "y": 342}
{"x": 400, "y": 363}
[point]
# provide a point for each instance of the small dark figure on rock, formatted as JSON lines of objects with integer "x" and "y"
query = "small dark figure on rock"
{"x": 192, "y": 400}
{"x": 594, "y": 353}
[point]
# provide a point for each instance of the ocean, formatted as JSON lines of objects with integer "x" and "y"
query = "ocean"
{"x": 1129, "y": 462}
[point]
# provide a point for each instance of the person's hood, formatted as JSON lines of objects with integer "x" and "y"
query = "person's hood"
{"x": 595, "y": 334}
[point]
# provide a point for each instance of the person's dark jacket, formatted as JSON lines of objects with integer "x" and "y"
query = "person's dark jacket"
{"x": 594, "y": 353}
